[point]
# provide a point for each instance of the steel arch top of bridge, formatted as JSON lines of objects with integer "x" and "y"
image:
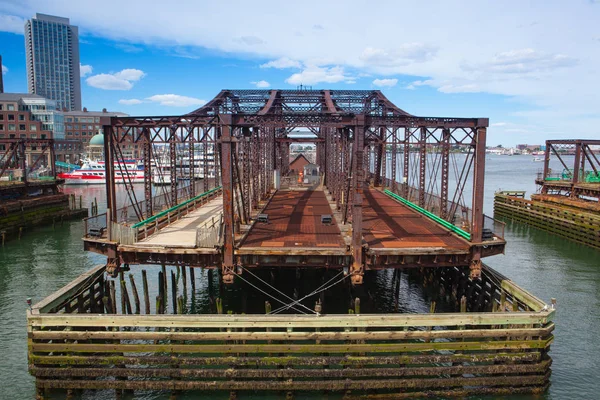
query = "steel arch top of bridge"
{"x": 310, "y": 107}
{"x": 290, "y": 102}
{"x": 300, "y": 108}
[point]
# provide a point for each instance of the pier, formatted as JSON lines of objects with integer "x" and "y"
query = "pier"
{"x": 397, "y": 195}
{"x": 28, "y": 200}
{"x": 568, "y": 200}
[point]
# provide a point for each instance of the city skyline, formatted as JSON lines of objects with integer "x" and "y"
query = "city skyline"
{"x": 52, "y": 52}
{"x": 470, "y": 59}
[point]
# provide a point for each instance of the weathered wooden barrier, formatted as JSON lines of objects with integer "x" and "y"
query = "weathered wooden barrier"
{"x": 578, "y": 224}
{"x": 500, "y": 349}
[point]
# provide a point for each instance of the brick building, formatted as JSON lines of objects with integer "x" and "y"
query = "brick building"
{"x": 82, "y": 126}
{"x": 30, "y": 116}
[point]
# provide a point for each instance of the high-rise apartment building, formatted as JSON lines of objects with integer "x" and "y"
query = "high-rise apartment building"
{"x": 1, "y": 77}
{"x": 52, "y": 50}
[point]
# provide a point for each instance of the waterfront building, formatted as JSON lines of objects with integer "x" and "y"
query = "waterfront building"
{"x": 30, "y": 116}
{"x": 84, "y": 126}
{"x": 52, "y": 51}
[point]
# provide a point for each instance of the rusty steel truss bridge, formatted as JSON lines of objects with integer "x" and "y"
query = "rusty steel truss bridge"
{"x": 394, "y": 190}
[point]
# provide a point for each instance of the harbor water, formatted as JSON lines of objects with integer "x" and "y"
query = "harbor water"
{"x": 545, "y": 265}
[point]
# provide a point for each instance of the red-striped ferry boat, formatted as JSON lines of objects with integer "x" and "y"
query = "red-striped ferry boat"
{"x": 93, "y": 173}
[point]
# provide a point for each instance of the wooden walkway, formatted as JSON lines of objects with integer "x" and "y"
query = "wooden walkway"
{"x": 182, "y": 233}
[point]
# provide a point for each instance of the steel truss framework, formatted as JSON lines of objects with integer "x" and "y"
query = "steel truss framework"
{"x": 580, "y": 177}
{"x": 13, "y": 155}
{"x": 361, "y": 138}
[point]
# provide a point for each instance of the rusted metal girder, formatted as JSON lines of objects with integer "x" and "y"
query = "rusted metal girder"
{"x": 406, "y": 164}
{"x": 394, "y": 161}
{"x": 422, "y": 166}
{"x": 357, "y": 268}
{"x": 109, "y": 171}
{"x": 445, "y": 173}
{"x": 477, "y": 210}
{"x": 227, "y": 143}
{"x": 147, "y": 155}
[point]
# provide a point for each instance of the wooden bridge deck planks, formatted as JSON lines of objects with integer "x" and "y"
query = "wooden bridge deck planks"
{"x": 182, "y": 233}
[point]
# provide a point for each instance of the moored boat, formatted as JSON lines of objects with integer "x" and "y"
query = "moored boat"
{"x": 93, "y": 173}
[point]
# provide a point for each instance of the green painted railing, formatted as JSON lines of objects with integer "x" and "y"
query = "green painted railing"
{"x": 430, "y": 215}
{"x": 175, "y": 208}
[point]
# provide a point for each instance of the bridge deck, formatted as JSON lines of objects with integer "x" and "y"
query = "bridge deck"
{"x": 389, "y": 225}
{"x": 295, "y": 222}
{"x": 182, "y": 233}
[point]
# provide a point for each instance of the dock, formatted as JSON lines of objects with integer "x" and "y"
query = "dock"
{"x": 568, "y": 202}
{"x": 377, "y": 203}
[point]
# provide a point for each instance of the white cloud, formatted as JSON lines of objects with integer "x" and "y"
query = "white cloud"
{"x": 130, "y": 102}
{"x": 261, "y": 84}
{"x": 403, "y": 55}
{"x": 415, "y": 84}
{"x": 385, "y": 82}
{"x": 466, "y": 88}
{"x": 122, "y": 80}
{"x": 12, "y": 24}
{"x": 549, "y": 67}
{"x": 312, "y": 75}
{"x": 4, "y": 70}
{"x": 523, "y": 61}
{"x": 175, "y": 100}
{"x": 130, "y": 74}
{"x": 282, "y": 63}
{"x": 85, "y": 70}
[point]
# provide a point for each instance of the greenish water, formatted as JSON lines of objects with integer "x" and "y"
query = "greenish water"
{"x": 547, "y": 266}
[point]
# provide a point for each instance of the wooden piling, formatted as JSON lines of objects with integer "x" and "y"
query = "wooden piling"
{"x": 193, "y": 279}
{"x": 158, "y": 304}
{"x": 146, "y": 294}
{"x": 136, "y": 297}
{"x": 184, "y": 280}
{"x": 180, "y": 303}
{"x": 161, "y": 293}
{"x": 164, "y": 271}
{"x": 125, "y": 302}
{"x": 174, "y": 291}
{"x": 113, "y": 297}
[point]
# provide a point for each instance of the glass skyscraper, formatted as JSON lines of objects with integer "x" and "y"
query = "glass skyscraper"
{"x": 52, "y": 49}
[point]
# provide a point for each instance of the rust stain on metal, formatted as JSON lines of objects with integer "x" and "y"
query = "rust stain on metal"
{"x": 389, "y": 224}
{"x": 295, "y": 221}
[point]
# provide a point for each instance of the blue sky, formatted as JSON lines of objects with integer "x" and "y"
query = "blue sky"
{"x": 532, "y": 67}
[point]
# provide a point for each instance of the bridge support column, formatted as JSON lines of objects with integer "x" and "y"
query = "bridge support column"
{"x": 227, "y": 147}
{"x": 147, "y": 153}
{"x": 477, "y": 216}
{"x": 357, "y": 268}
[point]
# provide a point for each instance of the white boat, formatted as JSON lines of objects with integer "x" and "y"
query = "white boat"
{"x": 93, "y": 173}
{"x": 537, "y": 159}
